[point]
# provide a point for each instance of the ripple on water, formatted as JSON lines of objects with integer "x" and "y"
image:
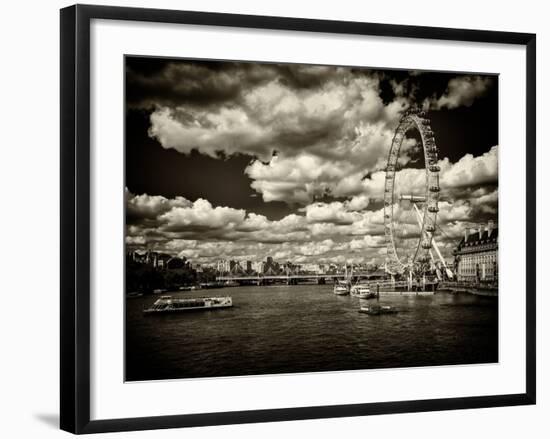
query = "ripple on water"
{"x": 306, "y": 328}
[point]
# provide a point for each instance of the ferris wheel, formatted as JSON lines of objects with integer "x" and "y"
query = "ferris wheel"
{"x": 410, "y": 211}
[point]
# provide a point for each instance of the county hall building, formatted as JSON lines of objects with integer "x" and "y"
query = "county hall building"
{"x": 476, "y": 256}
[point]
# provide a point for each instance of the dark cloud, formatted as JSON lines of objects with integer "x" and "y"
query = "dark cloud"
{"x": 152, "y": 82}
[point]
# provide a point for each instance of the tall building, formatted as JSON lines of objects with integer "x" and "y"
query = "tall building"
{"x": 235, "y": 267}
{"x": 156, "y": 259}
{"x": 271, "y": 267}
{"x": 476, "y": 255}
{"x": 223, "y": 266}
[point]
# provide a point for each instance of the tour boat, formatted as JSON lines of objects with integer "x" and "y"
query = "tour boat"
{"x": 376, "y": 310}
{"x": 362, "y": 291}
{"x": 170, "y": 304}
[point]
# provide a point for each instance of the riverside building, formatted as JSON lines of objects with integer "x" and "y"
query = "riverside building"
{"x": 476, "y": 255}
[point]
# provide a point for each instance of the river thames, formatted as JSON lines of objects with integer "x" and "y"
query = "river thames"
{"x": 306, "y": 328}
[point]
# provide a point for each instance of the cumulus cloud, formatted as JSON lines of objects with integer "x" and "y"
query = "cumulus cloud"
{"x": 457, "y": 180}
{"x": 150, "y": 206}
{"x": 299, "y": 179}
{"x": 324, "y": 229}
{"x": 201, "y": 215}
{"x": 461, "y": 91}
{"x": 294, "y": 237}
{"x": 318, "y": 230}
{"x": 358, "y": 202}
{"x": 334, "y": 212}
{"x": 303, "y": 140}
{"x": 367, "y": 242}
{"x": 310, "y": 130}
{"x": 227, "y": 131}
{"x": 470, "y": 170}
{"x": 316, "y": 248}
{"x": 317, "y": 138}
{"x": 339, "y": 119}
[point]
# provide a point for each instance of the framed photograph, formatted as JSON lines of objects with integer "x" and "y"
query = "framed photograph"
{"x": 268, "y": 218}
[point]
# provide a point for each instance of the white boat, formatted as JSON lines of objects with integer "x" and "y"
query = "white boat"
{"x": 341, "y": 289}
{"x": 169, "y": 304}
{"x": 362, "y": 291}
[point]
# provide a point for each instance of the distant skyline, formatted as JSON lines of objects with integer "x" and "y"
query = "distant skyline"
{"x": 242, "y": 161}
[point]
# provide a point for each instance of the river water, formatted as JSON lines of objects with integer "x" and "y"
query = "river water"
{"x": 306, "y": 328}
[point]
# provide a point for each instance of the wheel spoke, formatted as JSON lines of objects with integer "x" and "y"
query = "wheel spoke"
{"x": 424, "y": 218}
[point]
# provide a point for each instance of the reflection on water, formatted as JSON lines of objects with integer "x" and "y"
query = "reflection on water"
{"x": 306, "y": 328}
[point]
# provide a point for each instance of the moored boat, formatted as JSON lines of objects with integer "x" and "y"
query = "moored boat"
{"x": 376, "y": 310}
{"x": 169, "y": 304}
{"x": 341, "y": 289}
{"x": 362, "y": 291}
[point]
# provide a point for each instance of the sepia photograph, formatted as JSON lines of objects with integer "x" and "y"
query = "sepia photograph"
{"x": 297, "y": 218}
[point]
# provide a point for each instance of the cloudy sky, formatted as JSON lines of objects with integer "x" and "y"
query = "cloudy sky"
{"x": 230, "y": 160}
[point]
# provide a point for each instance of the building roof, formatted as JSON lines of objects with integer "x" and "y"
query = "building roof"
{"x": 474, "y": 239}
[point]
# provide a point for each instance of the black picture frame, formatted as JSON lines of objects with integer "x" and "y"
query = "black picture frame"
{"x": 75, "y": 217}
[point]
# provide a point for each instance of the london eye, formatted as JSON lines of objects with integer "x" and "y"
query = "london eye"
{"x": 411, "y": 208}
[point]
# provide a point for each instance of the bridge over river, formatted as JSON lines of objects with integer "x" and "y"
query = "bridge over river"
{"x": 363, "y": 278}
